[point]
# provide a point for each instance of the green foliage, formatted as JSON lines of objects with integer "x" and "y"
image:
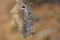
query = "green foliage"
{"x": 35, "y": 17}
{"x": 46, "y": 38}
{"x": 57, "y": 16}
{"x": 20, "y": 37}
{"x": 39, "y": 1}
{"x": 30, "y": 0}
{"x": 15, "y": 27}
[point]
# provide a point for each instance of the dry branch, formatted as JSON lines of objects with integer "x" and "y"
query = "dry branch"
{"x": 17, "y": 18}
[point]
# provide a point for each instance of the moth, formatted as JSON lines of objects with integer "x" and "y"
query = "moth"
{"x": 28, "y": 22}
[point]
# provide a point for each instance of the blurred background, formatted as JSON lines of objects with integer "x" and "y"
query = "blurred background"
{"x": 46, "y": 14}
